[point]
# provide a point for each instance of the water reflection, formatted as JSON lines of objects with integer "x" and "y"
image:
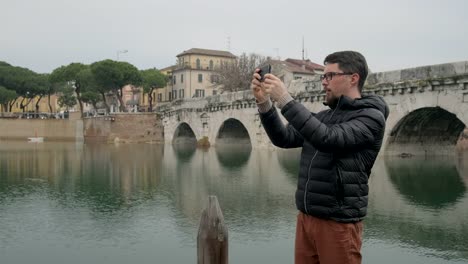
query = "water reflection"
{"x": 462, "y": 166}
{"x": 433, "y": 183}
{"x": 419, "y": 204}
{"x": 289, "y": 162}
{"x": 148, "y": 198}
{"x": 233, "y": 156}
{"x": 104, "y": 177}
{"x": 248, "y": 187}
{"x": 184, "y": 152}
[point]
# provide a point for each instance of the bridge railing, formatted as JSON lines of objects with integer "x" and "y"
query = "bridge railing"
{"x": 420, "y": 79}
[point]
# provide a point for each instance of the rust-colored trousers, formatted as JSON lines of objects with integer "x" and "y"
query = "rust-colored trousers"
{"x": 327, "y": 241}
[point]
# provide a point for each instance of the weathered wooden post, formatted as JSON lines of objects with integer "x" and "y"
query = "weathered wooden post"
{"x": 212, "y": 239}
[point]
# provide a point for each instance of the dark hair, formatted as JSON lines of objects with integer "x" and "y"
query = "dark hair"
{"x": 352, "y": 62}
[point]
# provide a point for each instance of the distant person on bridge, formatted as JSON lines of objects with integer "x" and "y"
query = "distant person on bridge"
{"x": 339, "y": 147}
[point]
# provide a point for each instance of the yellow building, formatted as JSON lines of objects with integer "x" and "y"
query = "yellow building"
{"x": 194, "y": 73}
{"x": 191, "y": 77}
{"x": 31, "y": 107}
{"x": 162, "y": 94}
{"x": 159, "y": 94}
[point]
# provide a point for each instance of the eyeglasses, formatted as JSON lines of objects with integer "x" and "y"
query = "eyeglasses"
{"x": 329, "y": 75}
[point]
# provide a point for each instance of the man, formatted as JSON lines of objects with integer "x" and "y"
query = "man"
{"x": 339, "y": 147}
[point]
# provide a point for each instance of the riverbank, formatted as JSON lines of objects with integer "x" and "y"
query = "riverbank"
{"x": 119, "y": 127}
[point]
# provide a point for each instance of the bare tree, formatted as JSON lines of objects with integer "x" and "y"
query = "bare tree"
{"x": 236, "y": 75}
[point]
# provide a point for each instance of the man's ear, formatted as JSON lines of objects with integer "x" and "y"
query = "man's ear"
{"x": 355, "y": 79}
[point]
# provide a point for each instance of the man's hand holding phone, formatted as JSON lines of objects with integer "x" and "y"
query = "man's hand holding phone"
{"x": 264, "y": 70}
{"x": 257, "y": 85}
{"x": 271, "y": 85}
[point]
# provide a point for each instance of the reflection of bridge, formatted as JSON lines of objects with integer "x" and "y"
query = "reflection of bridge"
{"x": 420, "y": 202}
{"x": 428, "y": 110}
{"x": 256, "y": 192}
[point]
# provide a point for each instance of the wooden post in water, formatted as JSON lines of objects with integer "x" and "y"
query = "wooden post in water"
{"x": 212, "y": 239}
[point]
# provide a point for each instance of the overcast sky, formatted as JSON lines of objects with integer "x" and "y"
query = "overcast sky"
{"x": 45, "y": 34}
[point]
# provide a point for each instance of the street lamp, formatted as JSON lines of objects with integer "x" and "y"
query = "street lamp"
{"x": 120, "y": 51}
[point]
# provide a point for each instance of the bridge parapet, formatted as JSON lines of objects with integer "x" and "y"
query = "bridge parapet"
{"x": 420, "y": 73}
{"x": 430, "y": 78}
{"x": 228, "y": 101}
{"x": 427, "y": 104}
{"x": 420, "y": 79}
{"x": 411, "y": 86}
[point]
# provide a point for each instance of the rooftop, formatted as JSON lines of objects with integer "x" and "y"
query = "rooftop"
{"x": 299, "y": 66}
{"x": 218, "y": 53}
{"x": 307, "y": 63}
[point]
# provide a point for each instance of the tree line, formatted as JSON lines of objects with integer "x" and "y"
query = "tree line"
{"x": 75, "y": 82}
{"x": 92, "y": 83}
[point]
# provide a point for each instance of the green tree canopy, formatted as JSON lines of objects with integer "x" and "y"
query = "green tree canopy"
{"x": 114, "y": 75}
{"x": 152, "y": 79}
{"x": 67, "y": 98}
{"x": 40, "y": 88}
{"x": 72, "y": 73}
{"x": 6, "y": 96}
{"x": 91, "y": 97}
{"x": 2, "y": 64}
{"x": 19, "y": 79}
{"x": 24, "y": 82}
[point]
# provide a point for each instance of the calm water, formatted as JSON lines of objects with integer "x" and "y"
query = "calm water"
{"x": 68, "y": 203}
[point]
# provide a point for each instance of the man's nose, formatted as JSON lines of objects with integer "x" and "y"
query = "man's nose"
{"x": 324, "y": 83}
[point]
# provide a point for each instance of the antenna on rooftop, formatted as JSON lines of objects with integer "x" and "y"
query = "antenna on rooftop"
{"x": 302, "y": 47}
{"x": 229, "y": 43}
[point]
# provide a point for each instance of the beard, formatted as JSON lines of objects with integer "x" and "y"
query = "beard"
{"x": 331, "y": 100}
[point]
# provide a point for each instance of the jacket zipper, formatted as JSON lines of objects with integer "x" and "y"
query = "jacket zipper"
{"x": 307, "y": 182}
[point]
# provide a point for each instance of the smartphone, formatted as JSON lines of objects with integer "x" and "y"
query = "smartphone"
{"x": 264, "y": 70}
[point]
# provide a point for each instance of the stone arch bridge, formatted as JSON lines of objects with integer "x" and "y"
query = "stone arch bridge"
{"x": 428, "y": 111}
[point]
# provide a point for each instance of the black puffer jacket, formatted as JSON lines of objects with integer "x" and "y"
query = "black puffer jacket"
{"x": 339, "y": 147}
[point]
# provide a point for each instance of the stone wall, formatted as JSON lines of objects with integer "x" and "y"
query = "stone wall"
{"x": 49, "y": 129}
{"x": 124, "y": 127}
{"x": 121, "y": 127}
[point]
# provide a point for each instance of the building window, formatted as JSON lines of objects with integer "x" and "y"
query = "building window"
{"x": 159, "y": 97}
{"x": 181, "y": 93}
{"x": 174, "y": 80}
{"x": 199, "y": 93}
{"x": 182, "y": 78}
{"x": 214, "y": 78}
{"x": 211, "y": 64}
{"x": 174, "y": 96}
{"x": 198, "y": 64}
{"x": 200, "y": 78}
{"x": 215, "y": 92}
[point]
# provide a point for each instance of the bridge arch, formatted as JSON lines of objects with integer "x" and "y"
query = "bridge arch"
{"x": 433, "y": 99}
{"x": 184, "y": 135}
{"x": 233, "y": 133}
{"x": 427, "y": 130}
